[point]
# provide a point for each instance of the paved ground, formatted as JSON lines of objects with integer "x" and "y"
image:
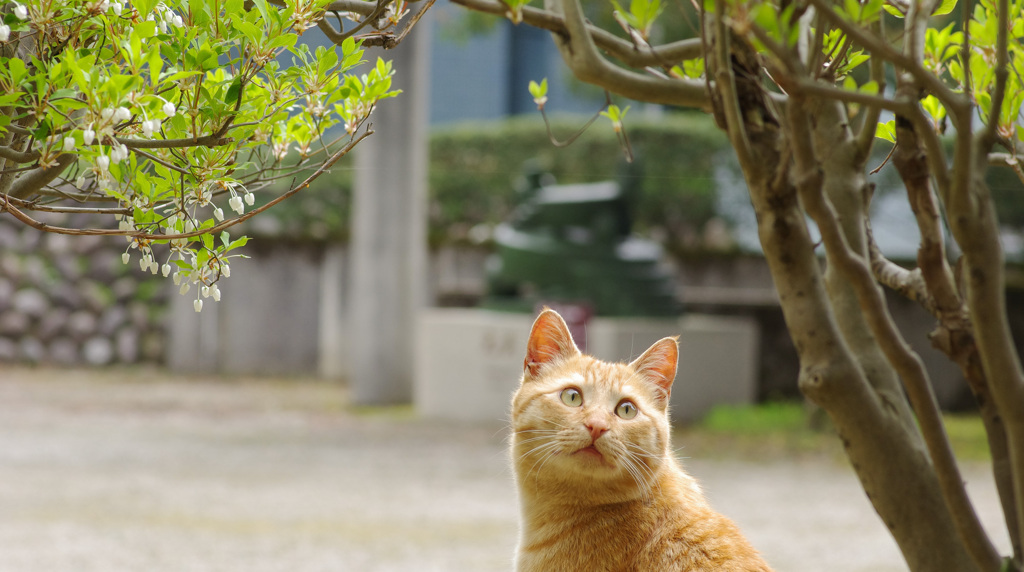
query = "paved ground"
{"x": 139, "y": 471}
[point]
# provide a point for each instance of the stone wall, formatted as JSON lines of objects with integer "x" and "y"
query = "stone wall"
{"x": 69, "y": 300}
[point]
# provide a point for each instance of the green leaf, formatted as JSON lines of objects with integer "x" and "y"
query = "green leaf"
{"x": 886, "y": 131}
{"x": 946, "y": 7}
{"x": 234, "y": 92}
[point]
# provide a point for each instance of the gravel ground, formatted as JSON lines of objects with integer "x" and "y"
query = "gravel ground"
{"x": 146, "y": 471}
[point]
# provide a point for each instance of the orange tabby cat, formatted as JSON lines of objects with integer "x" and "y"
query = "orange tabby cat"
{"x": 599, "y": 488}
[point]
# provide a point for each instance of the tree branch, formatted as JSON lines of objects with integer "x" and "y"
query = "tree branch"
{"x": 18, "y": 156}
{"x": 580, "y": 54}
{"x": 632, "y": 55}
{"x": 899, "y": 354}
{"x": 881, "y": 49}
{"x": 8, "y": 204}
{"x": 39, "y": 177}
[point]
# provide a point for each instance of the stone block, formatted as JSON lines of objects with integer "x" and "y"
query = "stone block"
{"x": 468, "y": 362}
{"x": 30, "y": 302}
{"x": 64, "y": 351}
{"x": 98, "y": 351}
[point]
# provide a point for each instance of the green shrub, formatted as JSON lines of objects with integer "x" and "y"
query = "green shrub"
{"x": 474, "y": 167}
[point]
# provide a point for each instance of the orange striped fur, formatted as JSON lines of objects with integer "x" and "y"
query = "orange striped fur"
{"x": 599, "y": 487}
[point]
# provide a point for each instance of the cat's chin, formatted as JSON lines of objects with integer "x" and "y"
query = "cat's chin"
{"x": 593, "y": 457}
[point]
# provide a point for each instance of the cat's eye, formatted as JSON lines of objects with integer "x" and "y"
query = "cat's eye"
{"x": 572, "y": 397}
{"x": 626, "y": 410}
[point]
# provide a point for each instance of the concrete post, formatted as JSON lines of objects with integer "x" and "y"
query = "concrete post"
{"x": 389, "y": 231}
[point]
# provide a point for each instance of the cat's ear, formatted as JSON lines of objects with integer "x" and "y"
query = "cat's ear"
{"x": 658, "y": 365}
{"x": 550, "y": 341}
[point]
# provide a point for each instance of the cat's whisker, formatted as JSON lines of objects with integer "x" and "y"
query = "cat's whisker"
{"x": 547, "y": 448}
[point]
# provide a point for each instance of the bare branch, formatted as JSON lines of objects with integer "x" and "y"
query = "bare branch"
{"x": 18, "y": 156}
{"x": 205, "y": 141}
{"x": 361, "y": 7}
{"x": 990, "y": 134}
{"x": 32, "y": 206}
{"x": 8, "y": 204}
{"x": 725, "y": 80}
{"x": 899, "y": 354}
{"x": 622, "y": 50}
{"x": 872, "y": 113}
{"x": 39, "y": 177}
{"x": 878, "y": 47}
{"x": 581, "y": 55}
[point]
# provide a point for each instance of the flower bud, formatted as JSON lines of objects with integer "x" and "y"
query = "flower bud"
{"x": 198, "y": 305}
{"x": 249, "y": 199}
{"x": 5, "y": 32}
{"x": 122, "y": 114}
{"x": 126, "y": 258}
{"x": 69, "y": 144}
{"x": 169, "y": 109}
{"x": 20, "y": 11}
{"x": 184, "y": 288}
{"x": 219, "y": 213}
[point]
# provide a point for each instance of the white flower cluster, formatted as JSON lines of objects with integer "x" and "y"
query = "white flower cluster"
{"x": 21, "y": 13}
{"x": 166, "y": 16}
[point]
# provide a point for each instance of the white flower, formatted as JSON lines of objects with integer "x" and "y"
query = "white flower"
{"x": 165, "y": 270}
{"x": 69, "y": 144}
{"x": 107, "y": 113}
{"x": 177, "y": 22}
{"x": 118, "y": 153}
{"x": 126, "y": 258}
{"x": 5, "y": 32}
{"x": 122, "y": 114}
{"x": 103, "y": 162}
{"x": 169, "y": 15}
{"x": 169, "y": 109}
{"x": 177, "y": 278}
{"x": 20, "y": 11}
{"x": 215, "y": 292}
{"x": 198, "y": 305}
{"x": 88, "y": 135}
{"x": 249, "y": 199}
{"x": 80, "y": 181}
{"x": 184, "y": 288}
{"x": 144, "y": 263}
{"x": 124, "y": 225}
{"x": 225, "y": 270}
{"x": 219, "y": 213}
{"x": 205, "y": 291}
{"x": 236, "y": 204}
{"x": 116, "y": 7}
{"x": 149, "y": 126}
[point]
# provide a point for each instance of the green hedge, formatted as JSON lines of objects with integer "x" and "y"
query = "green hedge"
{"x": 474, "y": 168}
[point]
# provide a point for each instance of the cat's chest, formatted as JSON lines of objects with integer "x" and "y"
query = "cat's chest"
{"x": 592, "y": 540}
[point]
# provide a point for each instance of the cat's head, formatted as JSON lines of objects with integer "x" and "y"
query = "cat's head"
{"x": 580, "y": 421}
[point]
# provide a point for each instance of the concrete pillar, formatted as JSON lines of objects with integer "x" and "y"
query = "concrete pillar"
{"x": 389, "y": 231}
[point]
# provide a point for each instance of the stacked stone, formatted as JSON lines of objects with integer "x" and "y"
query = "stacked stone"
{"x": 69, "y": 300}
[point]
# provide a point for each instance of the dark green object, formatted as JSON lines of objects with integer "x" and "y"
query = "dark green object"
{"x": 573, "y": 244}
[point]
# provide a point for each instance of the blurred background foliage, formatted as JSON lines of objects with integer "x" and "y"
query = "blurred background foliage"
{"x": 475, "y": 167}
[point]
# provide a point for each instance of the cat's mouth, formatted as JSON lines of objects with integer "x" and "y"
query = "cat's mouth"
{"x": 591, "y": 452}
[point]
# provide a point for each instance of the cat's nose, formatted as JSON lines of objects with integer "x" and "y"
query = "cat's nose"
{"x": 597, "y": 427}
